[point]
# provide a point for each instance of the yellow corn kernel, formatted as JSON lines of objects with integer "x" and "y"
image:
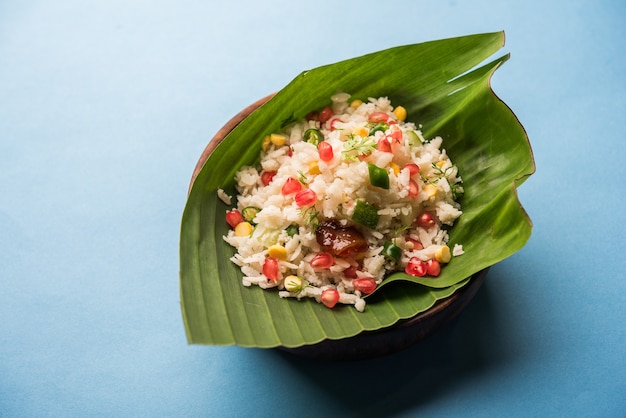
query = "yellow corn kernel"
{"x": 278, "y": 252}
{"x": 443, "y": 254}
{"x": 314, "y": 168}
{"x": 400, "y": 113}
{"x": 362, "y": 131}
{"x": 278, "y": 139}
{"x": 440, "y": 164}
{"x": 355, "y": 104}
{"x": 243, "y": 229}
{"x": 430, "y": 190}
{"x": 265, "y": 144}
{"x": 395, "y": 167}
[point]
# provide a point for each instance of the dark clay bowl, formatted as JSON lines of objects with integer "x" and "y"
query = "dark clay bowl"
{"x": 367, "y": 344}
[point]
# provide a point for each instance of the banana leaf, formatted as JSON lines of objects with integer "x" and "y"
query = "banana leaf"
{"x": 445, "y": 87}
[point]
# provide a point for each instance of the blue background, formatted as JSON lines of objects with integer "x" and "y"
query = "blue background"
{"x": 105, "y": 107}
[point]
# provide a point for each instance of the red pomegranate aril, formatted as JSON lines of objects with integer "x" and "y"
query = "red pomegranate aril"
{"x": 291, "y": 186}
{"x": 314, "y": 115}
{"x": 416, "y": 267}
{"x": 365, "y": 285}
{"x": 396, "y": 135}
{"x": 325, "y": 114}
{"x": 267, "y": 176}
{"x": 322, "y": 261}
{"x": 383, "y": 145}
{"x": 433, "y": 268}
{"x": 413, "y": 168}
{"x": 326, "y": 151}
{"x": 306, "y": 197}
{"x": 377, "y": 117}
{"x": 234, "y": 217}
{"x": 426, "y": 220}
{"x": 416, "y": 244}
{"x": 414, "y": 189}
{"x": 330, "y": 297}
{"x": 270, "y": 268}
{"x": 350, "y": 272}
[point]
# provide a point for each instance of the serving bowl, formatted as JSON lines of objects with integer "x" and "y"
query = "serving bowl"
{"x": 453, "y": 99}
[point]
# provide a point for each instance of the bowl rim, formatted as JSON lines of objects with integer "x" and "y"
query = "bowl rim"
{"x": 221, "y": 134}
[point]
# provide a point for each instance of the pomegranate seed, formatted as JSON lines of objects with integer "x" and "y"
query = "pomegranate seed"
{"x": 291, "y": 186}
{"x": 330, "y": 297}
{"x": 234, "y": 217}
{"x": 365, "y": 285}
{"x": 413, "y": 168}
{"x": 416, "y": 244}
{"x": 416, "y": 267}
{"x": 326, "y": 151}
{"x": 377, "y": 117}
{"x": 414, "y": 189}
{"x": 333, "y": 123}
{"x": 350, "y": 272}
{"x": 426, "y": 220}
{"x": 289, "y": 151}
{"x": 433, "y": 268}
{"x": 306, "y": 197}
{"x": 383, "y": 145}
{"x": 325, "y": 114}
{"x": 314, "y": 115}
{"x": 322, "y": 261}
{"x": 396, "y": 134}
{"x": 267, "y": 176}
{"x": 270, "y": 268}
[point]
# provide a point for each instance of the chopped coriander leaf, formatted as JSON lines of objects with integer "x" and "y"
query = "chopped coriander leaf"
{"x": 359, "y": 146}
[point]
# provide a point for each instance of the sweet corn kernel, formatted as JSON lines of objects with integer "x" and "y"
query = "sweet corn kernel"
{"x": 265, "y": 145}
{"x": 440, "y": 164}
{"x": 443, "y": 254}
{"x": 314, "y": 168}
{"x": 361, "y": 131}
{"x": 278, "y": 252}
{"x": 430, "y": 190}
{"x": 395, "y": 167}
{"x": 400, "y": 113}
{"x": 355, "y": 104}
{"x": 278, "y": 139}
{"x": 243, "y": 229}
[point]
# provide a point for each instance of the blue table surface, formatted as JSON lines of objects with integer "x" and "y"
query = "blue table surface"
{"x": 105, "y": 107}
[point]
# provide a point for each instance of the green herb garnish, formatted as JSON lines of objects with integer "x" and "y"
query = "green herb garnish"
{"x": 356, "y": 146}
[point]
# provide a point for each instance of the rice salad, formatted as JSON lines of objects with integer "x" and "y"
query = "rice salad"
{"x": 342, "y": 198}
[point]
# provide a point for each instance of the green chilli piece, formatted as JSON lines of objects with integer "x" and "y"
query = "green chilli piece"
{"x": 392, "y": 252}
{"x": 249, "y": 213}
{"x": 379, "y": 177}
{"x": 292, "y": 230}
{"x": 380, "y": 126}
{"x": 313, "y": 136}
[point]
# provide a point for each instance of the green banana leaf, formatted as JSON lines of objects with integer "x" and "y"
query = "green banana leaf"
{"x": 444, "y": 86}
